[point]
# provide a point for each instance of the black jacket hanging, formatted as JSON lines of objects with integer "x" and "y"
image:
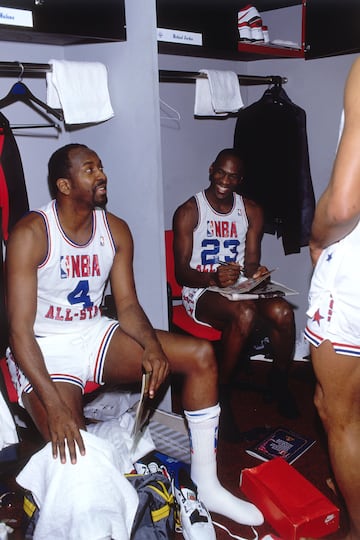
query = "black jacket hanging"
{"x": 271, "y": 135}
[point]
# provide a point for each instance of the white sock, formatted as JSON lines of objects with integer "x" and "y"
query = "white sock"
{"x": 203, "y": 427}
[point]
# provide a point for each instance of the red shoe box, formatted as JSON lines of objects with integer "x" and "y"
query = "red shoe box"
{"x": 290, "y": 503}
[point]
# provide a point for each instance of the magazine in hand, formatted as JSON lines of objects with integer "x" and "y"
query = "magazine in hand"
{"x": 251, "y": 289}
{"x": 143, "y": 408}
{"x": 281, "y": 442}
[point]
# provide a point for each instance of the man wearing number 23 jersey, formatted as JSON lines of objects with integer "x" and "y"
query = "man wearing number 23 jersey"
{"x": 217, "y": 235}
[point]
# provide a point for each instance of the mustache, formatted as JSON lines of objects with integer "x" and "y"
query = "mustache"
{"x": 101, "y": 183}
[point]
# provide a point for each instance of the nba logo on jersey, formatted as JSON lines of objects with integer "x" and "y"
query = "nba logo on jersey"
{"x": 79, "y": 266}
{"x": 221, "y": 229}
{"x": 63, "y": 268}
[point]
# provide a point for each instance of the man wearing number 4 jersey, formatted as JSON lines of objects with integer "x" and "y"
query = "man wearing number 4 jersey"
{"x": 217, "y": 235}
{"x": 59, "y": 260}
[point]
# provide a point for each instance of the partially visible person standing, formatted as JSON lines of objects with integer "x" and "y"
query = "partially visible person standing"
{"x": 333, "y": 327}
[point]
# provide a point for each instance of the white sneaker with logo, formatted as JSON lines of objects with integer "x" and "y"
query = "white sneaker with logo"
{"x": 195, "y": 520}
{"x": 244, "y": 32}
{"x": 257, "y": 35}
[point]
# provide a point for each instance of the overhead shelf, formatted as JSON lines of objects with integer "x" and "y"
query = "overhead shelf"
{"x": 259, "y": 51}
{"x": 245, "y": 52}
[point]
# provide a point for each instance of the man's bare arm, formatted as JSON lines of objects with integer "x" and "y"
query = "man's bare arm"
{"x": 131, "y": 315}
{"x": 338, "y": 209}
{"x": 253, "y": 239}
{"x": 26, "y": 249}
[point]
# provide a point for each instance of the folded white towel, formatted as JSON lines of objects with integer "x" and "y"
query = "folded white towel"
{"x": 80, "y": 89}
{"x": 91, "y": 499}
{"x": 217, "y": 94}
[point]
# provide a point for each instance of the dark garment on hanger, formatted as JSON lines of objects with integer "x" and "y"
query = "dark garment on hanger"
{"x": 13, "y": 205}
{"x": 13, "y": 195}
{"x": 271, "y": 135}
{"x": 3, "y": 318}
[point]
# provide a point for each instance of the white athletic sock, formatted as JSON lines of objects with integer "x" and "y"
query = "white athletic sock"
{"x": 203, "y": 427}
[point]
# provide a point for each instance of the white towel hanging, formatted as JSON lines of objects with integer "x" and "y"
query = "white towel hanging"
{"x": 218, "y": 94}
{"x": 81, "y": 90}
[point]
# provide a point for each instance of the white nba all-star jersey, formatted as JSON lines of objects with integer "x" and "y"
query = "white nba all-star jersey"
{"x": 72, "y": 278}
{"x": 218, "y": 237}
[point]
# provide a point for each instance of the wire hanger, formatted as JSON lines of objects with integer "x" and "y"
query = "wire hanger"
{"x": 170, "y": 112}
{"x": 20, "y": 92}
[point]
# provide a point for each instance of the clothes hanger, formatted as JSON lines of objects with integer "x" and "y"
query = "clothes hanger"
{"x": 170, "y": 112}
{"x": 36, "y": 126}
{"x": 20, "y": 92}
{"x": 275, "y": 93}
{"x": 5, "y": 125}
{"x": 273, "y": 89}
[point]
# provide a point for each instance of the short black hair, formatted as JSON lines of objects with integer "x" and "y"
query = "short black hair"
{"x": 59, "y": 165}
{"x": 230, "y": 152}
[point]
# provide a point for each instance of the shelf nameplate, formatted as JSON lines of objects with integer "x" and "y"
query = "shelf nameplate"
{"x": 179, "y": 36}
{"x": 16, "y": 17}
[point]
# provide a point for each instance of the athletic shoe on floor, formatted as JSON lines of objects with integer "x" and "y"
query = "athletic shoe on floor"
{"x": 195, "y": 520}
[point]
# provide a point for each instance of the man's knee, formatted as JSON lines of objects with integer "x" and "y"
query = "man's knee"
{"x": 282, "y": 314}
{"x": 244, "y": 316}
{"x": 335, "y": 411}
{"x": 204, "y": 359}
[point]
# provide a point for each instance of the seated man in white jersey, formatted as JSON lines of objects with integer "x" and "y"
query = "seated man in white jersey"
{"x": 218, "y": 225}
{"x": 59, "y": 259}
{"x": 333, "y": 327}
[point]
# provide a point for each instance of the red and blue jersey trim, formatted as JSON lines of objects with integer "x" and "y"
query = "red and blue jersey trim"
{"x": 100, "y": 358}
{"x": 60, "y": 377}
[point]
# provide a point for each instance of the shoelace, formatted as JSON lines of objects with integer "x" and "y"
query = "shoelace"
{"x": 256, "y": 536}
{"x": 193, "y": 506}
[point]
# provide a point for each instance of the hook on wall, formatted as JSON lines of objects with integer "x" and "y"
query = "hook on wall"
{"x": 22, "y": 69}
